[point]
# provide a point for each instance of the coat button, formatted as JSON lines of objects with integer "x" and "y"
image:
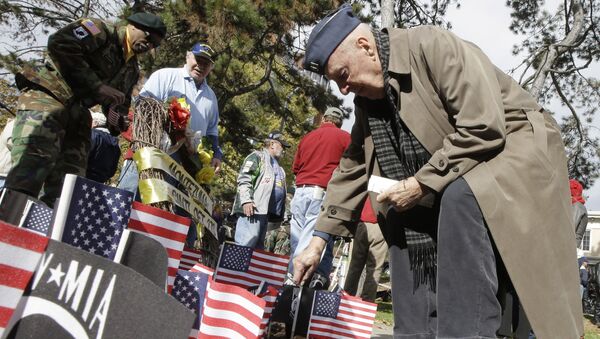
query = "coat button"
{"x": 333, "y": 211}
{"x": 441, "y": 163}
{"x": 455, "y": 169}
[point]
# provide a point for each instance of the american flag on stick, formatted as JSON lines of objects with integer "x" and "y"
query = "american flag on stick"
{"x": 190, "y": 290}
{"x": 167, "y": 228}
{"x": 189, "y": 257}
{"x": 269, "y": 294}
{"x": 91, "y": 216}
{"x": 203, "y": 269}
{"x": 20, "y": 253}
{"x": 37, "y": 217}
{"x": 247, "y": 267}
{"x": 336, "y": 315}
{"x": 230, "y": 312}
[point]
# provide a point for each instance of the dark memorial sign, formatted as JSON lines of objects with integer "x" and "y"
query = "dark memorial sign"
{"x": 76, "y": 294}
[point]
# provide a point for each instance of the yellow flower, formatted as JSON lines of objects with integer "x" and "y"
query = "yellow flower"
{"x": 205, "y": 157}
{"x": 205, "y": 175}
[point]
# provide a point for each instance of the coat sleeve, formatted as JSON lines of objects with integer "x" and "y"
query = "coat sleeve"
{"x": 347, "y": 188}
{"x": 466, "y": 82}
{"x": 70, "y": 45}
{"x": 247, "y": 178}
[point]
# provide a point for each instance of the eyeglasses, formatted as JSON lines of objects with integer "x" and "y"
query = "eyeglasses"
{"x": 153, "y": 39}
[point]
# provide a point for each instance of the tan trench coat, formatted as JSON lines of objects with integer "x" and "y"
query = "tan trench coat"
{"x": 478, "y": 123}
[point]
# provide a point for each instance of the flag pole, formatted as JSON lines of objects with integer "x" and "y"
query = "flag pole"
{"x": 219, "y": 260}
{"x": 299, "y": 300}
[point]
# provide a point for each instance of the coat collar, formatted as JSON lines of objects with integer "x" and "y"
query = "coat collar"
{"x": 399, "y": 52}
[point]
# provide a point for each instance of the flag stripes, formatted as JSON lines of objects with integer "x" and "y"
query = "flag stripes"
{"x": 341, "y": 316}
{"x": 231, "y": 312}
{"x": 262, "y": 266}
{"x": 20, "y": 253}
{"x": 189, "y": 258}
{"x": 167, "y": 228}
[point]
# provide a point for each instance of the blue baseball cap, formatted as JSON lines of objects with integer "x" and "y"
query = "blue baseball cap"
{"x": 327, "y": 36}
{"x": 203, "y": 50}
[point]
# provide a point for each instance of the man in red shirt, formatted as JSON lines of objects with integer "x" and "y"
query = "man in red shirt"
{"x": 318, "y": 155}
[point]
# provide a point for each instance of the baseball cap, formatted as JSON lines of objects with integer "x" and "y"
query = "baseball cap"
{"x": 276, "y": 135}
{"x": 334, "y": 112}
{"x": 203, "y": 50}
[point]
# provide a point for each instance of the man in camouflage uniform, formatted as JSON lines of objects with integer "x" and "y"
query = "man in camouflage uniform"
{"x": 91, "y": 62}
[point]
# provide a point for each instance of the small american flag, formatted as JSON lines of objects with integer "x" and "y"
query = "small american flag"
{"x": 269, "y": 294}
{"x": 91, "y": 216}
{"x": 201, "y": 268}
{"x": 189, "y": 258}
{"x": 20, "y": 252}
{"x": 37, "y": 218}
{"x": 336, "y": 315}
{"x": 167, "y": 228}
{"x": 247, "y": 267}
{"x": 190, "y": 289}
{"x": 230, "y": 312}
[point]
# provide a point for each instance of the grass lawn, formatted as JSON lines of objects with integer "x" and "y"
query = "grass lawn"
{"x": 385, "y": 316}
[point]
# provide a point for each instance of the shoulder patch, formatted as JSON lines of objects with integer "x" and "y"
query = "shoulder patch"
{"x": 247, "y": 165}
{"x": 90, "y": 26}
{"x": 79, "y": 32}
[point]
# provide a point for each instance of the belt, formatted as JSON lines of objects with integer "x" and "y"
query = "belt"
{"x": 303, "y": 186}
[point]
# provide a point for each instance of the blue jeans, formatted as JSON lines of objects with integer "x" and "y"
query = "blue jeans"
{"x": 128, "y": 179}
{"x": 251, "y": 231}
{"x": 305, "y": 209}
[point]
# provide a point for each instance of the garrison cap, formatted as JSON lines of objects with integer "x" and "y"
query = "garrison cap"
{"x": 327, "y": 36}
{"x": 203, "y": 50}
{"x": 151, "y": 22}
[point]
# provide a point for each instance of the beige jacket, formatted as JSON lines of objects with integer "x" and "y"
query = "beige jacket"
{"x": 478, "y": 123}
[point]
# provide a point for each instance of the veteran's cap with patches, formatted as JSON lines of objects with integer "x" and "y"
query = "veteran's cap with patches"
{"x": 149, "y": 21}
{"x": 327, "y": 36}
{"x": 203, "y": 50}
{"x": 276, "y": 135}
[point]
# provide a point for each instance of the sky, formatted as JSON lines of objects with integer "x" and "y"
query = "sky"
{"x": 485, "y": 23}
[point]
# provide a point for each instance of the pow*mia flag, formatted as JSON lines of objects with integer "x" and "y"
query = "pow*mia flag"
{"x": 75, "y": 294}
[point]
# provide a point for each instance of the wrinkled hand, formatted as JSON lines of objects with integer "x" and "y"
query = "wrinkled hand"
{"x": 107, "y": 95}
{"x": 216, "y": 163}
{"x": 248, "y": 209}
{"x": 403, "y": 195}
{"x": 306, "y": 263}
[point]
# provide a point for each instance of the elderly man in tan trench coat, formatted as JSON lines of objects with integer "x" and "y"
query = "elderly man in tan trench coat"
{"x": 495, "y": 161}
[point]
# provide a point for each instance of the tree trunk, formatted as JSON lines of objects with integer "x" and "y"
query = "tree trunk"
{"x": 387, "y": 13}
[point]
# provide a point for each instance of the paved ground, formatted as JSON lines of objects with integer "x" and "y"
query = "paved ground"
{"x": 382, "y": 331}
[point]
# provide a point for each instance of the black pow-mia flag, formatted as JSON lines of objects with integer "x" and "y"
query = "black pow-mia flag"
{"x": 76, "y": 294}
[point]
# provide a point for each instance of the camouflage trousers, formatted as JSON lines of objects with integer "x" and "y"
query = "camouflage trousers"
{"x": 49, "y": 141}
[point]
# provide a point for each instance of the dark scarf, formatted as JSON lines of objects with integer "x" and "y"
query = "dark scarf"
{"x": 400, "y": 155}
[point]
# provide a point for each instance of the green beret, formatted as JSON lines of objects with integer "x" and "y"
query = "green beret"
{"x": 152, "y": 23}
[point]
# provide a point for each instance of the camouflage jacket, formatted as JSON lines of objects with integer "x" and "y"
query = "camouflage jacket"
{"x": 84, "y": 55}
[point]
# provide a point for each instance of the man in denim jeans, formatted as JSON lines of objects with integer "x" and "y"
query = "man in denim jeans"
{"x": 261, "y": 192}
{"x": 318, "y": 155}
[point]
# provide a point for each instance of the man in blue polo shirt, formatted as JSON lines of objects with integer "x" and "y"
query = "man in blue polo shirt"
{"x": 186, "y": 83}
